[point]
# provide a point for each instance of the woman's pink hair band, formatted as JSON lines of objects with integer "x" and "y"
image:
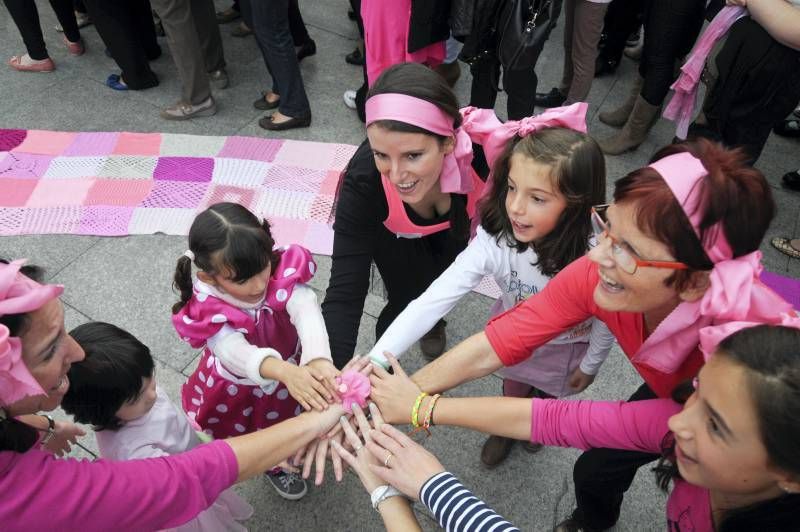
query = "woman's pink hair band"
{"x": 684, "y": 173}
{"x": 18, "y": 294}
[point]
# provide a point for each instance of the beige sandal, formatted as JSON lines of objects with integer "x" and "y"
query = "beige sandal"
{"x": 784, "y": 245}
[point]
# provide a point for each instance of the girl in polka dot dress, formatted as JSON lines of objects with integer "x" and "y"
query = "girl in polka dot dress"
{"x": 266, "y": 354}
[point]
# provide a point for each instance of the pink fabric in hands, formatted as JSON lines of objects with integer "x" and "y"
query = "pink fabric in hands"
{"x": 681, "y": 107}
{"x": 354, "y": 388}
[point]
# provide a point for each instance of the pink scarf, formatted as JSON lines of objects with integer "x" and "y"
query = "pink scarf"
{"x": 18, "y": 294}
{"x": 735, "y": 293}
{"x": 681, "y": 108}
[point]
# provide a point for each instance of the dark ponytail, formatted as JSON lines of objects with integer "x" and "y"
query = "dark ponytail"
{"x": 182, "y": 282}
{"x": 225, "y": 238}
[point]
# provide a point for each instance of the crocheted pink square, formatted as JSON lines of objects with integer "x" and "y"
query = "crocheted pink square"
{"x": 300, "y": 179}
{"x": 92, "y": 144}
{"x": 120, "y": 192}
{"x": 11, "y": 138}
{"x": 251, "y": 148}
{"x": 320, "y": 209}
{"x": 16, "y": 191}
{"x": 329, "y": 184}
{"x": 46, "y": 142}
{"x": 175, "y": 195}
{"x": 59, "y": 192}
{"x": 220, "y": 193}
{"x": 195, "y": 169}
{"x": 287, "y": 231}
{"x": 62, "y": 220}
{"x": 104, "y": 221}
{"x": 24, "y": 165}
{"x": 129, "y": 143}
{"x": 319, "y": 239}
{"x": 316, "y": 155}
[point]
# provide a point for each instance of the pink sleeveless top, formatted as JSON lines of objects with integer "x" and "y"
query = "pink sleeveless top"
{"x": 399, "y": 223}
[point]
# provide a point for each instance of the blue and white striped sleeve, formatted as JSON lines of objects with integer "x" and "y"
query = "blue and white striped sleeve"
{"x": 457, "y": 509}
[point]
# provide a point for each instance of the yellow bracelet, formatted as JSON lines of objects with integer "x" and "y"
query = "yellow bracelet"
{"x": 429, "y": 417}
{"x": 415, "y": 410}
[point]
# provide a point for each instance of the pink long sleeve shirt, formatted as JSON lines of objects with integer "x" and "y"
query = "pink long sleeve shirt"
{"x": 40, "y": 492}
{"x": 635, "y": 426}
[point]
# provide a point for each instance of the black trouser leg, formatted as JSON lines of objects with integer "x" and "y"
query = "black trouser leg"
{"x": 621, "y": 19}
{"x": 65, "y": 13}
{"x": 602, "y": 476}
{"x": 300, "y": 34}
{"x": 26, "y": 17}
{"x": 126, "y": 27}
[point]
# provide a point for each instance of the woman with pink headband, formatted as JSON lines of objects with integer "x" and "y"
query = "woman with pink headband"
{"x": 43, "y": 493}
{"x": 405, "y": 202}
{"x": 677, "y": 258}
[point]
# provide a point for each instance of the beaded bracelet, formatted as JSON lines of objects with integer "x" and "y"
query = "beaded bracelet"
{"x": 415, "y": 410}
{"x": 429, "y": 416}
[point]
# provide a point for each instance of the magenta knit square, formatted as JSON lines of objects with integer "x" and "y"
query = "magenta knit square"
{"x": 251, "y": 148}
{"x": 11, "y": 138}
{"x": 24, "y": 165}
{"x": 15, "y": 192}
{"x": 175, "y": 195}
{"x": 231, "y": 194}
{"x": 104, "y": 221}
{"x": 193, "y": 169}
{"x": 92, "y": 144}
{"x": 122, "y": 192}
{"x": 129, "y": 143}
{"x": 46, "y": 142}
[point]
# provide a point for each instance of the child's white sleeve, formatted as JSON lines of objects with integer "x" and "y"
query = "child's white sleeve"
{"x": 600, "y": 342}
{"x": 306, "y": 316}
{"x": 480, "y": 258}
{"x": 240, "y": 356}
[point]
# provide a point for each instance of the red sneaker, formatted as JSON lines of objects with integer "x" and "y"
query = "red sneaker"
{"x": 75, "y": 48}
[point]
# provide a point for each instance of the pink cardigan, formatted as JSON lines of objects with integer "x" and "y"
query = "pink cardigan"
{"x": 40, "y": 492}
{"x": 635, "y": 426}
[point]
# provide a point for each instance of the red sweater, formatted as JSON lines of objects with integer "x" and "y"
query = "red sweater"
{"x": 566, "y": 301}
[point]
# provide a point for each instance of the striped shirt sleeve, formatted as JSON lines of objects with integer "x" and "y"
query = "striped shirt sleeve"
{"x": 457, "y": 509}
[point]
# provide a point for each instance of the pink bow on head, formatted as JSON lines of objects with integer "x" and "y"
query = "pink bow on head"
{"x": 354, "y": 388}
{"x": 485, "y": 128}
{"x": 711, "y": 337}
{"x": 18, "y": 294}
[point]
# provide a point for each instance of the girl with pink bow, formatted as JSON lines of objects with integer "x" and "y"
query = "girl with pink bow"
{"x": 677, "y": 256}
{"x": 535, "y": 220}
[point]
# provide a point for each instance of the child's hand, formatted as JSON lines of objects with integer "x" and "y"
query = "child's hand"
{"x": 329, "y": 373}
{"x": 305, "y": 386}
{"x": 65, "y": 436}
{"x": 579, "y": 380}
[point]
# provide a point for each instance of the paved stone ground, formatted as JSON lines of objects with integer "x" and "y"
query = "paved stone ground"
{"x": 126, "y": 281}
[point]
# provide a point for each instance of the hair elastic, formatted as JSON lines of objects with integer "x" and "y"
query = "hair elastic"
{"x": 189, "y": 254}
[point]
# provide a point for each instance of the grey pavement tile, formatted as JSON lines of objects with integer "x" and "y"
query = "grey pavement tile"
{"x": 135, "y": 274}
{"x": 52, "y": 252}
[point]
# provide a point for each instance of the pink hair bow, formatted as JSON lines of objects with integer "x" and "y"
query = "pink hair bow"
{"x": 18, "y": 294}
{"x": 711, "y": 337}
{"x": 354, "y": 388}
{"x": 681, "y": 107}
{"x": 485, "y": 128}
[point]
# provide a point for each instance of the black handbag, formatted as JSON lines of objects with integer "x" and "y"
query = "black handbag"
{"x": 523, "y": 26}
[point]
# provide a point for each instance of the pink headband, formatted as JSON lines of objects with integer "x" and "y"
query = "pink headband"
{"x": 711, "y": 337}
{"x": 683, "y": 173}
{"x": 486, "y": 129}
{"x": 456, "y": 173}
{"x": 18, "y": 294}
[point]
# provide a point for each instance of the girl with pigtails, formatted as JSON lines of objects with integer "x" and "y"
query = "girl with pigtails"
{"x": 265, "y": 350}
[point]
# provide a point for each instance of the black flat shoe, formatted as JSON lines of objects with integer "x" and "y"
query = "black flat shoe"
{"x": 263, "y": 105}
{"x": 603, "y": 66}
{"x": 791, "y": 180}
{"x": 355, "y": 58}
{"x": 292, "y": 123}
{"x": 554, "y": 98}
{"x": 788, "y": 128}
{"x": 306, "y": 49}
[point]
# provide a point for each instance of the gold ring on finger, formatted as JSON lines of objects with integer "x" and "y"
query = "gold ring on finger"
{"x": 388, "y": 457}
{"x": 356, "y": 449}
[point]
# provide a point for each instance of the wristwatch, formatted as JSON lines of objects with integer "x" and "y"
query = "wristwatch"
{"x": 51, "y": 429}
{"x": 381, "y": 493}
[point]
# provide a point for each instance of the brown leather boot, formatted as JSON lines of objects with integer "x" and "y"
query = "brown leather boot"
{"x": 433, "y": 343}
{"x": 619, "y": 116}
{"x": 496, "y": 450}
{"x": 635, "y": 130}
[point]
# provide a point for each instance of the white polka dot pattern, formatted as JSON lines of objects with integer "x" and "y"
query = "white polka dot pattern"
{"x": 289, "y": 271}
{"x": 222, "y": 409}
{"x": 218, "y": 318}
{"x": 281, "y": 295}
{"x": 232, "y": 390}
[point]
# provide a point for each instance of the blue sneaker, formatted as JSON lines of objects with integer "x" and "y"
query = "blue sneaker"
{"x": 115, "y": 82}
